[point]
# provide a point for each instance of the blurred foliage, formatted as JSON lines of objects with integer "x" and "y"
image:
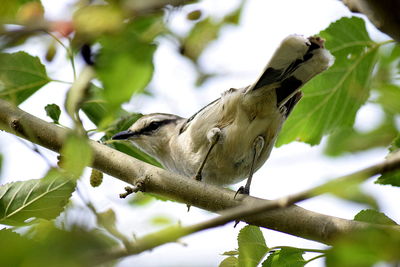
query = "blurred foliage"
{"x": 69, "y": 160}
{"x": 22, "y": 9}
{"x": 366, "y": 247}
{"x": 47, "y": 245}
{"x": 373, "y": 216}
{"x": 118, "y": 40}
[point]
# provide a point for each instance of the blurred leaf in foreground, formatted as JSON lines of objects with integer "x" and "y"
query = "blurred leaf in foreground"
{"x": 46, "y": 245}
{"x": 76, "y": 154}
{"x": 373, "y": 216}
{"x": 365, "y": 248}
{"x": 332, "y": 99}
{"x": 124, "y": 66}
{"x": 351, "y": 140}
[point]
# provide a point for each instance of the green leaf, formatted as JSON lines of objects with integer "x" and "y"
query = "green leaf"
{"x": 351, "y": 140}
{"x": 395, "y": 144}
{"x": 229, "y": 262}
{"x": 37, "y": 198}
{"x": 200, "y": 37}
{"x": 206, "y": 31}
{"x": 1, "y": 163}
{"x": 21, "y": 75}
{"x": 366, "y": 247}
{"x": 45, "y": 245}
{"x": 252, "y": 247}
{"x": 231, "y": 253}
{"x": 78, "y": 91}
{"x": 347, "y": 188}
{"x": 373, "y": 216}
{"x": 124, "y": 66}
{"x": 332, "y": 99}
{"x": 389, "y": 95}
{"x": 285, "y": 257}
{"x": 393, "y": 177}
{"x": 9, "y": 9}
{"x": 141, "y": 199}
{"x": 54, "y": 112}
{"x": 76, "y": 154}
{"x": 390, "y": 178}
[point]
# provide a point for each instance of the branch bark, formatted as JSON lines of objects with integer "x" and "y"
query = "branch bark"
{"x": 293, "y": 220}
{"x": 384, "y": 14}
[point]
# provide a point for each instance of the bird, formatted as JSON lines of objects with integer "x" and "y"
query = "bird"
{"x": 229, "y": 139}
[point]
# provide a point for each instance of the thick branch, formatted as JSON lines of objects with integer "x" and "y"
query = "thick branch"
{"x": 384, "y": 14}
{"x": 292, "y": 220}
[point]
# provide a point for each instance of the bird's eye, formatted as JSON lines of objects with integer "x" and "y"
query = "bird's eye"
{"x": 153, "y": 126}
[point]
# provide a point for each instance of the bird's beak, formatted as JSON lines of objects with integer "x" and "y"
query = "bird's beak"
{"x": 123, "y": 135}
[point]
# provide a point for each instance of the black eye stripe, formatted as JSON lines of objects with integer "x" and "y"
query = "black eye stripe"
{"x": 154, "y": 125}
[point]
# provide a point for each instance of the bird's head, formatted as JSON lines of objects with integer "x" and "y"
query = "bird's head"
{"x": 152, "y": 133}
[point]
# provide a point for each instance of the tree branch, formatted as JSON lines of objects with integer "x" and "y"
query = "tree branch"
{"x": 292, "y": 220}
{"x": 384, "y": 14}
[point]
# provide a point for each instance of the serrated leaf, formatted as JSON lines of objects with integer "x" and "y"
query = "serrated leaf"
{"x": 285, "y": 257}
{"x": 390, "y": 178}
{"x": 21, "y": 75}
{"x": 332, "y": 99}
{"x": 393, "y": 177}
{"x": 37, "y": 198}
{"x": 229, "y": 262}
{"x": 373, "y": 216}
{"x": 252, "y": 247}
{"x": 76, "y": 154}
{"x": 54, "y": 112}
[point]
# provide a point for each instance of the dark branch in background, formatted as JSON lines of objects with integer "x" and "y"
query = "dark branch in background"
{"x": 384, "y": 14}
{"x": 292, "y": 220}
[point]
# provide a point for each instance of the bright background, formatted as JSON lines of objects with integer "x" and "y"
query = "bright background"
{"x": 240, "y": 53}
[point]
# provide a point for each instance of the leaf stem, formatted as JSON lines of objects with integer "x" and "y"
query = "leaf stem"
{"x": 68, "y": 50}
{"x": 303, "y": 249}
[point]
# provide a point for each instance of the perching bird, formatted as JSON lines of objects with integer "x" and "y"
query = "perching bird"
{"x": 231, "y": 138}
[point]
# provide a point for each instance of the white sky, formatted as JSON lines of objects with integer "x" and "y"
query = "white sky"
{"x": 241, "y": 52}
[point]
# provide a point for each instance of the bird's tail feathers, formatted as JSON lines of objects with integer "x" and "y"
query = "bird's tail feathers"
{"x": 295, "y": 62}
